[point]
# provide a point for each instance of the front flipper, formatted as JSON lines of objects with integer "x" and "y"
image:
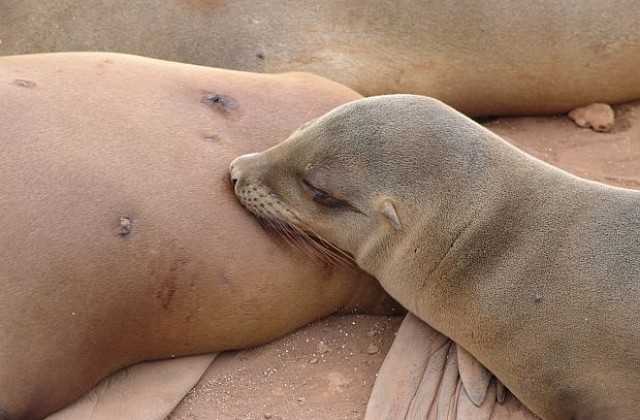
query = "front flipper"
{"x": 416, "y": 350}
{"x": 421, "y": 379}
{"x": 474, "y": 376}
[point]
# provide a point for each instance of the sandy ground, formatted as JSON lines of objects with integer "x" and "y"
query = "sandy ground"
{"x": 323, "y": 371}
{"x": 326, "y": 370}
{"x": 612, "y": 158}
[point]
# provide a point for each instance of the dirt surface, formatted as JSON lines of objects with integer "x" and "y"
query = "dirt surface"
{"x": 612, "y": 158}
{"x": 325, "y": 371}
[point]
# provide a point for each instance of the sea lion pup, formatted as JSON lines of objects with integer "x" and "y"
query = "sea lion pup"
{"x": 532, "y": 270}
{"x": 122, "y": 240}
{"x": 490, "y": 58}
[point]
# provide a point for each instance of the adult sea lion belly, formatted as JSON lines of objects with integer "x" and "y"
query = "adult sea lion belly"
{"x": 123, "y": 241}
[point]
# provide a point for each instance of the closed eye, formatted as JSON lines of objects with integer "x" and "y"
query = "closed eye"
{"x": 324, "y": 198}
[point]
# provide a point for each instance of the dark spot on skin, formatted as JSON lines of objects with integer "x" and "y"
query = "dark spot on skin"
{"x": 168, "y": 267}
{"x": 222, "y": 278}
{"x": 537, "y": 297}
{"x": 220, "y": 102}
{"x": 105, "y": 63}
{"x": 176, "y": 264}
{"x": 260, "y": 56}
{"x": 193, "y": 282}
{"x": 166, "y": 291}
{"x": 211, "y": 138}
{"x": 24, "y": 83}
{"x": 125, "y": 226}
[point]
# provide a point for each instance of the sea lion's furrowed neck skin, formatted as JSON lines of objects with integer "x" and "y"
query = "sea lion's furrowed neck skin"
{"x": 534, "y": 271}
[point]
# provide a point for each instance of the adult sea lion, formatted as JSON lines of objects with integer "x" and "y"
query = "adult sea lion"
{"x": 490, "y": 58}
{"x": 122, "y": 239}
{"x": 532, "y": 270}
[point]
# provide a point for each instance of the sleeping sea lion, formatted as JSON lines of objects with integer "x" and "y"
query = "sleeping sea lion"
{"x": 533, "y": 271}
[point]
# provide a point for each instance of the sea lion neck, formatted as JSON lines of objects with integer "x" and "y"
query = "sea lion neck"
{"x": 505, "y": 254}
{"x": 470, "y": 202}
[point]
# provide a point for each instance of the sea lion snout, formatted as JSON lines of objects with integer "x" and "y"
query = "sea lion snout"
{"x": 234, "y": 173}
{"x": 246, "y": 174}
{"x": 236, "y": 167}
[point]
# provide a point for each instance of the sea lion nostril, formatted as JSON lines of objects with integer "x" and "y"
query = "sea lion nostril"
{"x": 234, "y": 174}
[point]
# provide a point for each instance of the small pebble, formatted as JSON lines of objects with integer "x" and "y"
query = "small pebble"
{"x": 373, "y": 349}
{"x": 267, "y": 415}
{"x": 597, "y": 116}
{"x": 313, "y": 361}
{"x": 322, "y": 348}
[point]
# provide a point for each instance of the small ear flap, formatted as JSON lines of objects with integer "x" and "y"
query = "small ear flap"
{"x": 386, "y": 208}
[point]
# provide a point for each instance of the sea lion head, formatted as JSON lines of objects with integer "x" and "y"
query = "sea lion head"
{"x": 366, "y": 178}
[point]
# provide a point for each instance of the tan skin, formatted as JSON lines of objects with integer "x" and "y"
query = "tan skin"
{"x": 122, "y": 239}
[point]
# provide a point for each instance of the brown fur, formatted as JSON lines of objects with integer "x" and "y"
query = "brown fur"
{"x": 483, "y": 58}
{"x": 122, "y": 240}
{"x": 532, "y": 270}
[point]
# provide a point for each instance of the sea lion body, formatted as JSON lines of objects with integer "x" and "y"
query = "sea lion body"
{"x": 122, "y": 239}
{"x": 532, "y": 270}
{"x": 493, "y": 58}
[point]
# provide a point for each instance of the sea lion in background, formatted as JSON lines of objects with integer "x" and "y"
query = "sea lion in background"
{"x": 485, "y": 59}
{"x": 122, "y": 238}
{"x": 532, "y": 270}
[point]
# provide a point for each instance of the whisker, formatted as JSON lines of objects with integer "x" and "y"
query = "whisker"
{"x": 307, "y": 241}
{"x": 291, "y": 236}
{"x": 298, "y": 241}
{"x": 328, "y": 249}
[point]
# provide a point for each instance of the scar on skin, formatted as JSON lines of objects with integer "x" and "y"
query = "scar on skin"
{"x": 125, "y": 226}
{"x": 221, "y": 102}
{"x": 24, "y": 83}
{"x": 211, "y": 138}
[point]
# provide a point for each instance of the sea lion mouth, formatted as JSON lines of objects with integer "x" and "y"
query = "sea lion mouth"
{"x": 306, "y": 239}
{"x": 274, "y": 214}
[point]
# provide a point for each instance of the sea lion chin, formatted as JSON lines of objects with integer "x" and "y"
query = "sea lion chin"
{"x": 534, "y": 271}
